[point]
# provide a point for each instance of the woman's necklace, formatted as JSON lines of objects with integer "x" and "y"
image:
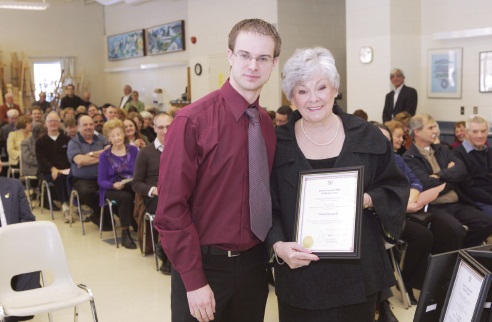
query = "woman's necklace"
{"x": 321, "y": 144}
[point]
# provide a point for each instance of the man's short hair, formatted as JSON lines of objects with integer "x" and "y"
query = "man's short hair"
{"x": 255, "y": 26}
{"x": 285, "y": 110}
{"x": 476, "y": 119}
{"x": 362, "y": 114}
{"x": 417, "y": 122}
{"x": 66, "y": 87}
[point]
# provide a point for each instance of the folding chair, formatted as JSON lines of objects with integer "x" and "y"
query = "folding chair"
{"x": 150, "y": 218}
{"x": 74, "y": 195}
{"x": 110, "y": 204}
{"x": 37, "y": 246}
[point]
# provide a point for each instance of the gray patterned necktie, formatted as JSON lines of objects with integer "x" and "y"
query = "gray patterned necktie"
{"x": 260, "y": 203}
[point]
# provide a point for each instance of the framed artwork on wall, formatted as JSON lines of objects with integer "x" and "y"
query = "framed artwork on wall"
{"x": 126, "y": 45}
{"x": 486, "y": 72}
{"x": 444, "y": 73}
{"x": 166, "y": 38}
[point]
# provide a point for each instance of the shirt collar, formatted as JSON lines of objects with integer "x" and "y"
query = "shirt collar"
{"x": 398, "y": 90}
{"x": 235, "y": 101}
{"x": 157, "y": 144}
{"x": 468, "y": 147}
{"x": 94, "y": 138}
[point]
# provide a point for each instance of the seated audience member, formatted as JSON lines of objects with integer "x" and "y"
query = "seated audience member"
{"x": 418, "y": 237}
{"x": 51, "y": 153}
{"x": 86, "y": 99}
{"x": 36, "y": 115}
{"x": 98, "y": 123}
{"x": 134, "y": 105}
{"x": 438, "y": 137}
{"x": 70, "y": 100}
{"x": 9, "y": 105}
{"x": 459, "y": 134}
{"x": 70, "y": 127}
{"x": 120, "y": 114}
{"x": 28, "y": 151}
{"x": 133, "y": 135}
{"x": 362, "y": 114}
{"x": 80, "y": 110}
{"x": 12, "y": 116}
{"x": 83, "y": 153}
{"x": 43, "y": 103}
{"x": 272, "y": 116}
{"x": 116, "y": 167}
{"x": 24, "y": 128}
{"x": 152, "y": 110}
{"x": 92, "y": 110}
{"x": 14, "y": 209}
{"x": 111, "y": 112}
{"x": 397, "y": 130}
{"x": 282, "y": 115}
{"x": 404, "y": 118}
{"x": 147, "y": 128}
{"x": 477, "y": 157}
{"x": 67, "y": 113}
{"x": 435, "y": 164}
{"x": 147, "y": 173}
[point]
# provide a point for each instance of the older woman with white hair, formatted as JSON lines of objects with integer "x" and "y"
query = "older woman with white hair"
{"x": 319, "y": 135}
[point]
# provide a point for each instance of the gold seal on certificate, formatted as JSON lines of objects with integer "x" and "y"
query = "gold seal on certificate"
{"x": 329, "y": 207}
{"x": 307, "y": 242}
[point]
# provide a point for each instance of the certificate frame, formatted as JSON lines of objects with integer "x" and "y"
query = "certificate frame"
{"x": 465, "y": 263}
{"x": 444, "y": 73}
{"x": 337, "y": 178}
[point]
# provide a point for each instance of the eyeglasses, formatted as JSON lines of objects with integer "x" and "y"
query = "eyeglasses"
{"x": 161, "y": 128}
{"x": 246, "y": 58}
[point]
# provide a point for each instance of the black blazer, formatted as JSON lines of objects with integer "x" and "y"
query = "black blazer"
{"x": 407, "y": 101}
{"x": 332, "y": 283}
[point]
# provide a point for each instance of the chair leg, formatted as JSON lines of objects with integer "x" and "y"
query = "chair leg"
{"x": 401, "y": 285}
{"x": 112, "y": 223}
{"x": 42, "y": 195}
{"x": 75, "y": 314}
{"x": 92, "y": 303}
{"x": 101, "y": 221}
{"x": 144, "y": 234}
{"x": 151, "y": 223}
{"x": 50, "y": 201}
{"x": 28, "y": 194}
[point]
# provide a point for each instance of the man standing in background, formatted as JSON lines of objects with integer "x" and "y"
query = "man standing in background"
{"x": 402, "y": 98}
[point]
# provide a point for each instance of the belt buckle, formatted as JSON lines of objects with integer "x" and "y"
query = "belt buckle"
{"x": 230, "y": 254}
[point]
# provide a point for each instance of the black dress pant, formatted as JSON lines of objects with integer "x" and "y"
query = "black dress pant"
{"x": 362, "y": 312}
{"x": 447, "y": 227}
{"x": 125, "y": 201}
{"x": 61, "y": 186}
{"x": 419, "y": 244}
{"x": 239, "y": 284}
{"x": 87, "y": 190}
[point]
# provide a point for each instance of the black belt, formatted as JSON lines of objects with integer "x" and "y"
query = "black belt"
{"x": 211, "y": 250}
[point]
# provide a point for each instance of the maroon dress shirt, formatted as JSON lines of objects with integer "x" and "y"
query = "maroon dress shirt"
{"x": 203, "y": 181}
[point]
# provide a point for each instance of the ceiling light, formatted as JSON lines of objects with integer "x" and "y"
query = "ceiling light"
{"x": 24, "y": 5}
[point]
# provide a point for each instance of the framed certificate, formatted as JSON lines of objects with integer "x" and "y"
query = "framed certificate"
{"x": 329, "y": 207}
{"x": 468, "y": 290}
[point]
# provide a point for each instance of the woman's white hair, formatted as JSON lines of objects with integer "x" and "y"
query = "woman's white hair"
{"x": 307, "y": 63}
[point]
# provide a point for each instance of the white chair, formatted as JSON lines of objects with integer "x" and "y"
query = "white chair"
{"x": 32, "y": 247}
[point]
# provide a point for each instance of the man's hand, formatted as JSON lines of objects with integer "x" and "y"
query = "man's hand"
{"x": 54, "y": 173}
{"x": 202, "y": 303}
{"x": 451, "y": 164}
{"x": 118, "y": 185}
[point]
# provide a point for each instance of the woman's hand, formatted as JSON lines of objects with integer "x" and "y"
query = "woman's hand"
{"x": 139, "y": 143}
{"x": 118, "y": 185}
{"x": 294, "y": 254}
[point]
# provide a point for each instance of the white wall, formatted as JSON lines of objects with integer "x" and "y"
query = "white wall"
{"x": 172, "y": 77}
{"x": 210, "y": 22}
{"x": 65, "y": 29}
{"x": 447, "y": 16}
{"x": 311, "y": 23}
{"x": 401, "y": 33}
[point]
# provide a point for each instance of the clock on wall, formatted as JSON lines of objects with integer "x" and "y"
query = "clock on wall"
{"x": 366, "y": 55}
{"x": 198, "y": 69}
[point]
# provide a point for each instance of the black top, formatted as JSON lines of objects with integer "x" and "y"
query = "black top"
{"x": 323, "y": 163}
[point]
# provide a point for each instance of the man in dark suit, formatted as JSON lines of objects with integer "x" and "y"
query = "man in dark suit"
{"x": 70, "y": 100}
{"x": 402, "y": 98}
{"x": 15, "y": 209}
{"x": 146, "y": 176}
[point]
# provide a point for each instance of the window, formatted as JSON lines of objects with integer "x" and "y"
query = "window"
{"x": 46, "y": 77}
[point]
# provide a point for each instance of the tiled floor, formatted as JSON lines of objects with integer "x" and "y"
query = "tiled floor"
{"x": 126, "y": 285}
